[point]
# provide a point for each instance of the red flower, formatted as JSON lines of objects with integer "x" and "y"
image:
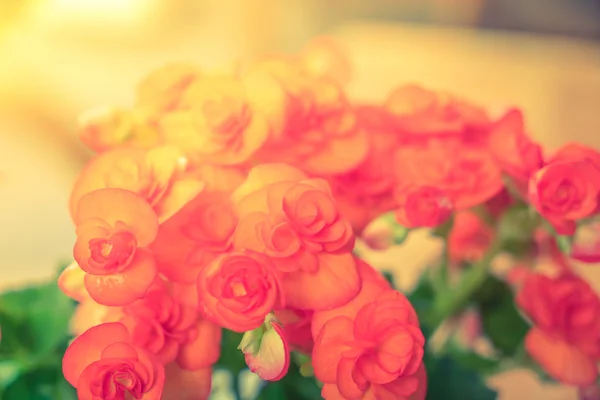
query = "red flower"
{"x": 102, "y": 363}
{"x": 566, "y": 190}
{"x": 297, "y": 325}
{"x": 423, "y": 115}
{"x": 374, "y": 354}
{"x": 113, "y": 228}
{"x": 295, "y": 222}
{"x": 565, "y": 339}
{"x": 469, "y": 238}
{"x": 181, "y": 384}
{"x": 237, "y": 290}
{"x": 422, "y": 206}
{"x": 514, "y": 151}
{"x": 467, "y": 176}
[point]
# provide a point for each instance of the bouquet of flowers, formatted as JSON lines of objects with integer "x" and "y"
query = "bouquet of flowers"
{"x": 217, "y": 227}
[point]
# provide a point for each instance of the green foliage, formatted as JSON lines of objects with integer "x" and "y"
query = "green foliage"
{"x": 501, "y": 320}
{"x": 450, "y": 380}
{"x": 34, "y": 325}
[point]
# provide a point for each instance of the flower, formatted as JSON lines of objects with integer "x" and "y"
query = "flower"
{"x": 181, "y": 384}
{"x": 266, "y": 350}
{"x": 373, "y": 283}
{"x": 114, "y": 227}
{"x": 156, "y": 175}
{"x": 162, "y": 89}
{"x": 237, "y": 290}
{"x": 201, "y": 231}
{"x": 514, "y": 151}
{"x": 367, "y": 190}
{"x": 294, "y": 221}
{"x": 106, "y": 128}
{"x": 469, "y": 238}
{"x": 566, "y": 190}
{"x": 373, "y": 354}
{"x": 423, "y": 114}
{"x": 172, "y": 330}
{"x": 103, "y": 364}
{"x": 422, "y": 206}
{"x": 313, "y": 125}
{"x": 214, "y": 122}
{"x": 297, "y": 326}
{"x": 466, "y": 175}
{"x": 565, "y": 338}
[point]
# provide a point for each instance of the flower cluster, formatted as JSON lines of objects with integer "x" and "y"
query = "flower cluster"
{"x": 215, "y": 203}
{"x": 233, "y": 201}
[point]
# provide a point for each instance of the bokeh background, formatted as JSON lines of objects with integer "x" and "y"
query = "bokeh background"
{"x": 59, "y": 58}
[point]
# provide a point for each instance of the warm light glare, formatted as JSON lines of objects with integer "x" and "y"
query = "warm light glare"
{"x": 111, "y": 7}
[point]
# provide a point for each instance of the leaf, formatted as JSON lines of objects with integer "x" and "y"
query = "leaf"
{"x": 231, "y": 358}
{"x": 449, "y": 380}
{"x": 422, "y": 298}
{"x": 40, "y": 315}
{"x": 389, "y": 277}
{"x": 501, "y": 320}
{"x": 472, "y": 360}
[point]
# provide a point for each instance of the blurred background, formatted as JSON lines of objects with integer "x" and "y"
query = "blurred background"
{"x": 59, "y": 58}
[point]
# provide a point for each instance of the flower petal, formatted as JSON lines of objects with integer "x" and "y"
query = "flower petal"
{"x": 181, "y": 384}
{"x": 112, "y": 205}
{"x": 561, "y": 360}
{"x": 125, "y": 287}
{"x": 71, "y": 284}
{"x": 334, "y": 283}
{"x": 264, "y": 175}
{"x": 204, "y": 349}
{"x": 272, "y": 360}
{"x": 88, "y": 348}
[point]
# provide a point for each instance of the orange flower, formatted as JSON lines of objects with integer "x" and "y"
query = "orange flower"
{"x": 312, "y": 123}
{"x": 171, "y": 330}
{"x": 373, "y": 354}
{"x": 516, "y": 153}
{"x": 113, "y": 228}
{"x": 103, "y": 364}
{"x": 366, "y": 191}
{"x": 469, "y": 238}
{"x": 102, "y": 129}
{"x": 194, "y": 236}
{"x": 181, "y": 384}
{"x": 424, "y": 114}
{"x": 237, "y": 290}
{"x": 565, "y": 339}
{"x": 372, "y": 286}
{"x": 162, "y": 89}
{"x": 466, "y": 175}
{"x": 215, "y": 123}
{"x": 157, "y": 175}
{"x": 294, "y": 221}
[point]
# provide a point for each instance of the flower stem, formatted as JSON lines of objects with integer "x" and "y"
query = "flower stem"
{"x": 452, "y": 299}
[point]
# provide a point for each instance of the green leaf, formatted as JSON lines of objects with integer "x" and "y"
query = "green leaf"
{"x": 422, "y": 298}
{"x": 389, "y": 277}
{"x": 231, "y": 358}
{"x": 449, "y": 380}
{"x": 40, "y": 316}
{"x": 501, "y": 320}
{"x": 471, "y": 360}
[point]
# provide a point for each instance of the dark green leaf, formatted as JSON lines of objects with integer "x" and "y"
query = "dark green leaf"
{"x": 389, "y": 277}
{"x": 231, "y": 358}
{"x": 471, "y": 360}
{"x": 501, "y": 320}
{"x": 449, "y": 380}
{"x": 422, "y": 300}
